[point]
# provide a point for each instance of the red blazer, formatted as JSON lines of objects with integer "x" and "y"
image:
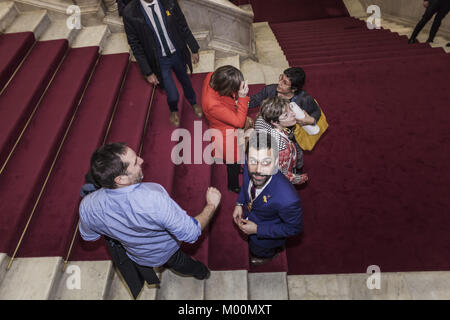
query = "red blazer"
{"x": 224, "y": 113}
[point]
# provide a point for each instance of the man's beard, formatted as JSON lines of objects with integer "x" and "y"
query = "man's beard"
{"x": 259, "y": 182}
{"x": 139, "y": 178}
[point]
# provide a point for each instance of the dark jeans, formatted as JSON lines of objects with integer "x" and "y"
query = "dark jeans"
{"x": 184, "y": 264}
{"x": 175, "y": 63}
{"x": 261, "y": 252}
{"x": 233, "y": 171}
{"x": 438, "y": 7}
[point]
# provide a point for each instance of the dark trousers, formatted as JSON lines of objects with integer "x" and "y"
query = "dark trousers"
{"x": 438, "y": 7}
{"x": 261, "y": 252}
{"x": 175, "y": 63}
{"x": 233, "y": 171}
{"x": 184, "y": 264}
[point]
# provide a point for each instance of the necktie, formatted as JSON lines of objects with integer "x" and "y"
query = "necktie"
{"x": 252, "y": 197}
{"x": 160, "y": 31}
{"x": 253, "y": 192}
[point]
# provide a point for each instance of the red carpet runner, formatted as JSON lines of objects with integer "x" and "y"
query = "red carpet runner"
{"x": 378, "y": 178}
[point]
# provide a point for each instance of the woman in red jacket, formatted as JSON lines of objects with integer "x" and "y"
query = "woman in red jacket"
{"x": 225, "y": 104}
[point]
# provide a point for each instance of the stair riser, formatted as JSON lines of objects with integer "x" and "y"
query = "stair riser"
{"x": 356, "y": 51}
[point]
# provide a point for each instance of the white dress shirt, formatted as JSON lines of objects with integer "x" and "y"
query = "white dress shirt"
{"x": 148, "y": 10}
{"x": 257, "y": 190}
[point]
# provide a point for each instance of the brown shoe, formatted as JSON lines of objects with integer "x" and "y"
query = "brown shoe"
{"x": 197, "y": 110}
{"x": 174, "y": 119}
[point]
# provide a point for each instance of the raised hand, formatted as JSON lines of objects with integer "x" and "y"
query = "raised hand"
{"x": 243, "y": 90}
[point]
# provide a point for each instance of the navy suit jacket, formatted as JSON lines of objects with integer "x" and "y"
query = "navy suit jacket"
{"x": 277, "y": 211}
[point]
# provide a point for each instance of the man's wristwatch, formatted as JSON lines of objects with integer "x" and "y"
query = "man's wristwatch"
{"x": 239, "y": 204}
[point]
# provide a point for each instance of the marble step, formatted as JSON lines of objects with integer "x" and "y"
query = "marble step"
{"x": 206, "y": 63}
{"x": 33, "y": 21}
{"x": 178, "y": 287}
{"x": 4, "y": 260}
{"x": 116, "y": 43}
{"x": 83, "y": 280}
{"x": 119, "y": 290}
{"x": 268, "y": 286}
{"x": 58, "y": 29}
{"x": 30, "y": 279}
{"x": 393, "y": 286}
{"x": 233, "y": 61}
{"x": 8, "y": 12}
{"x": 227, "y": 285}
{"x": 92, "y": 36}
{"x": 355, "y": 8}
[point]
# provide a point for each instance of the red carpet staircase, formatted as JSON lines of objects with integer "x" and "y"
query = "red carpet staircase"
{"x": 385, "y": 101}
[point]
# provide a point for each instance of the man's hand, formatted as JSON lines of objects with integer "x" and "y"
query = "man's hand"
{"x": 243, "y": 90}
{"x": 195, "y": 58}
{"x": 237, "y": 215}
{"x": 426, "y": 4}
{"x": 213, "y": 197}
{"x": 152, "y": 79}
{"x": 248, "y": 227}
{"x": 307, "y": 120}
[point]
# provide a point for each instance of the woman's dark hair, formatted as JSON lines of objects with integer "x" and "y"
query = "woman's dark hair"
{"x": 272, "y": 109}
{"x": 106, "y": 164}
{"x": 226, "y": 80}
{"x": 297, "y": 77}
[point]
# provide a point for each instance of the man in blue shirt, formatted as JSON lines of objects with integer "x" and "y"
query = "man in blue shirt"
{"x": 141, "y": 216}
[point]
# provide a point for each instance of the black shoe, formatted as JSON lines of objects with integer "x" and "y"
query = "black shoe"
{"x": 255, "y": 261}
{"x": 411, "y": 41}
{"x": 448, "y": 44}
{"x": 205, "y": 276}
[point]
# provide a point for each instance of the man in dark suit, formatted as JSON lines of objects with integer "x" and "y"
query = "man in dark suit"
{"x": 159, "y": 36}
{"x": 438, "y": 7}
{"x": 268, "y": 208}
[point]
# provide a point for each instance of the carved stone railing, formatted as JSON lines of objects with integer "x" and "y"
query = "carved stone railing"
{"x": 221, "y": 26}
{"x": 216, "y": 24}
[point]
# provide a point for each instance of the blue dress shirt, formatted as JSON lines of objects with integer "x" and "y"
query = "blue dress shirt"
{"x": 143, "y": 217}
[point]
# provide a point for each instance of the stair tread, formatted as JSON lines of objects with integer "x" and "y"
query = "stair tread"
{"x": 127, "y": 126}
{"x": 37, "y": 275}
{"x": 268, "y": 286}
{"x": 95, "y": 280}
{"x": 13, "y": 48}
{"x": 177, "y": 287}
{"x": 195, "y": 173}
{"x": 59, "y": 203}
{"x": 28, "y": 21}
{"x": 366, "y": 56}
{"x": 366, "y": 52}
{"x": 25, "y": 89}
{"x": 24, "y": 174}
{"x": 227, "y": 285}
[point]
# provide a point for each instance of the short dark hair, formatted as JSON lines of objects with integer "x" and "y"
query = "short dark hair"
{"x": 260, "y": 140}
{"x": 226, "y": 80}
{"x": 272, "y": 109}
{"x": 106, "y": 164}
{"x": 297, "y": 77}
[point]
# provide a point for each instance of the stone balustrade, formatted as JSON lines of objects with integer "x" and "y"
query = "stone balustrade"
{"x": 217, "y": 24}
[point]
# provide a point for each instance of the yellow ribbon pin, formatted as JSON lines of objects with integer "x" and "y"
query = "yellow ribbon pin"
{"x": 265, "y": 199}
{"x": 168, "y": 13}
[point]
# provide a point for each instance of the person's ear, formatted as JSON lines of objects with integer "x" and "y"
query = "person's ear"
{"x": 121, "y": 180}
